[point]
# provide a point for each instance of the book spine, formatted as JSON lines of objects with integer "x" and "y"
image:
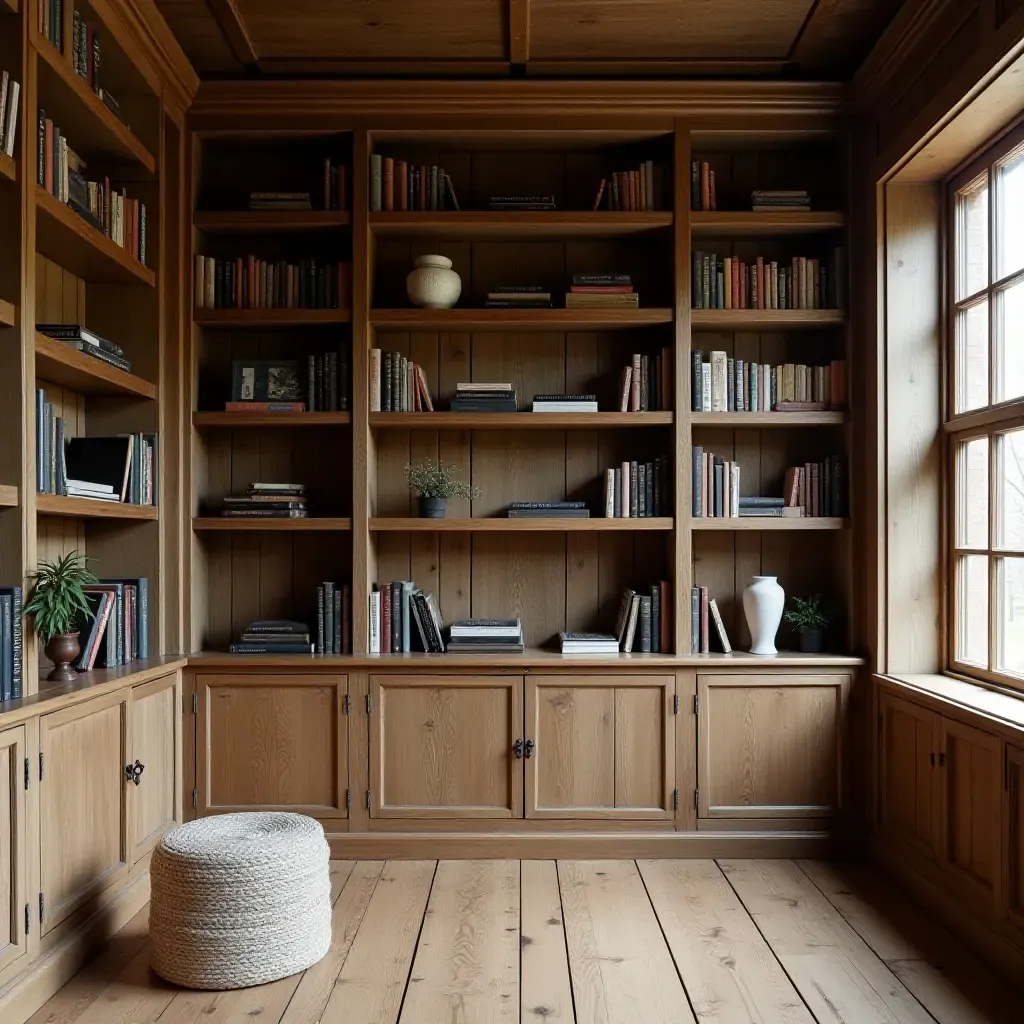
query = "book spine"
{"x": 320, "y": 620}
{"x": 328, "y": 615}
{"x": 396, "y": 617}
{"x": 655, "y": 600}
{"x": 385, "y": 619}
{"x": 645, "y": 624}
{"x": 16, "y": 643}
{"x": 376, "y": 183}
{"x": 336, "y": 643}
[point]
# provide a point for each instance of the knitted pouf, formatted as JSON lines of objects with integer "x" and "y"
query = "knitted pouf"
{"x": 239, "y": 899}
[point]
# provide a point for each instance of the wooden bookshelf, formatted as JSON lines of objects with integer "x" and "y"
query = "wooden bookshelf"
{"x": 765, "y": 319}
{"x": 61, "y": 364}
{"x": 92, "y": 508}
{"x": 8, "y": 313}
{"x": 8, "y": 168}
{"x": 73, "y": 243}
{"x": 504, "y": 525}
{"x": 767, "y": 420}
{"x": 765, "y": 524}
{"x": 333, "y": 524}
{"x": 518, "y": 420}
{"x": 494, "y": 225}
{"x": 726, "y": 223}
{"x": 503, "y": 320}
{"x": 9, "y": 496}
{"x": 8, "y": 6}
{"x": 237, "y": 222}
{"x": 293, "y": 420}
{"x": 238, "y": 319}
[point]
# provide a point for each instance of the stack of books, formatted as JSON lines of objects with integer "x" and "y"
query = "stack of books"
{"x": 248, "y": 282}
{"x": 514, "y": 296}
{"x": 702, "y": 186}
{"x": 403, "y": 618}
{"x": 639, "y": 189}
{"x": 513, "y": 202}
{"x": 771, "y": 200}
{"x": 484, "y": 397}
{"x": 279, "y": 201}
{"x": 397, "y": 384}
{"x": 274, "y": 636}
{"x": 565, "y": 403}
{"x": 486, "y": 636}
{"x": 644, "y": 622}
{"x": 588, "y": 643}
{"x": 267, "y": 501}
{"x": 117, "y": 630}
{"x": 9, "y": 90}
{"x": 757, "y": 507}
{"x": 333, "y": 615}
{"x": 398, "y": 185}
{"x": 601, "y": 291}
{"x": 801, "y": 282}
{"x": 11, "y": 687}
{"x": 548, "y": 510}
{"x": 704, "y": 611}
{"x": 83, "y": 340}
{"x": 638, "y": 490}
{"x": 645, "y": 384}
{"x": 816, "y": 488}
{"x": 716, "y": 486}
{"x": 723, "y": 384}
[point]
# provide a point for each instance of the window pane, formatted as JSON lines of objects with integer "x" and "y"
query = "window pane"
{"x": 972, "y": 357}
{"x": 972, "y": 494}
{"x": 1010, "y": 214}
{"x": 1010, "y": 339}
{"x": 972, "y": 238}
{"x": 972, "y": 607}
{"x": 1010, "y": 649}
{"x": 1010, "y": 469}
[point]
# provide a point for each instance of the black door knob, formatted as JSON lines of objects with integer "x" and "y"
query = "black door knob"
{"x": 133, "y": 772}
{"x": 517, "y": 749}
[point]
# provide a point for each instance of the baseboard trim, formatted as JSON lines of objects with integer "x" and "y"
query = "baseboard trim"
{"x": 47, "y": 975}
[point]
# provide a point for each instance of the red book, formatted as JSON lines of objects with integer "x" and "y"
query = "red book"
{"x": 600, "y": 194}
{"x": 385, "y": 619}
{"x": 735, "y": 284}
{"x": 389, "y": 183}
{"x": 705, "y": 646}
{"x": 239, "y": 279}
{"x": 327, "y": 182}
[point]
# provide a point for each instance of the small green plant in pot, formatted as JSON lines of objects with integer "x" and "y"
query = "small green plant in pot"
{"x": 434, "y": 483}
{"x": 811, "y": 619}
{"x": 57, "y": 604}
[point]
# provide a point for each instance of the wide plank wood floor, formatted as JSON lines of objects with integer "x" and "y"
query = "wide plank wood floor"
{"x": 587, "y": 942}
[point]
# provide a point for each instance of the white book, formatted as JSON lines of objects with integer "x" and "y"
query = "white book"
{"x": 373, "y": 644}
{"x": 609, "y": 494}
{"x": 624, "y": 492}
{"x": 11, "y": 120}
{"x": 88, "y": 485}
{"x": 719, "y": 382}
{"x": 564, "y": 407}
{"x": 483, "y": 386}
{"x": 720, "y": 626}
{"x": 631, "y": 623}
{"x": 734, "y": 489}
{"x": 705, "y": 389}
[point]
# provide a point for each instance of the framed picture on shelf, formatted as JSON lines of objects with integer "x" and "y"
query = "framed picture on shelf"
{"x": 265, "y": 380}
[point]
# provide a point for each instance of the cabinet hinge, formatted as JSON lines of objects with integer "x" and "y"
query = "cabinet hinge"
{"x": 696, "y": 799}
{"x": 40, "y": 766}
{"x": 195, "y": 703}
{"x": 696, "y": 704}
{"x": 675, "y": 799}
{"x": 195, "y": 797}
{"x": 41, "y": 908}
{"x": 348, "y": 799}
{"x": 367, "y": 799}
{"x": 28, "y": 918}
{"x": 369, "y": 704}
{"x": 675, "y": 703}
{"x": 26, "y": 773}
{"x": 346, "y": 705}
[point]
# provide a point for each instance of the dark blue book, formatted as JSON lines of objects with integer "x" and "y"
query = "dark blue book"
{"x": 14, "y": 639}
{"x": 6, "y": 649}
{"x": 141, "y": 584}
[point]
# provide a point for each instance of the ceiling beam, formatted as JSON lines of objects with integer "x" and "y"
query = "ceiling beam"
{"x": 232, "y": 25}
{"x": 519, "y": 31}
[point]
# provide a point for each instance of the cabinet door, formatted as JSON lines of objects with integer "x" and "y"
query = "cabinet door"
{"x": 971, "y": 795}
{"x": 272, "y": 742}
{"x": 154, "y": 757}
{"x": 1013, "y": 844}
{"x": 771, "y": 745}
{"x": 442, "y": 747}
{"x": 13, "y": 847}
{"x": 601, "y": 748}
{"x": 908, "y": 774}
{"x": 82, "y": 803}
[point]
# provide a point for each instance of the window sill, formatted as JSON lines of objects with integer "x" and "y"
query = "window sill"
{"x": 993, "y": 705}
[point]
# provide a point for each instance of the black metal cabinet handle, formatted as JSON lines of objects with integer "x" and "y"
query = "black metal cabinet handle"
{"x": 517, "y": 749}
{"x": 133, "y": 772}
{"x": 528, "y": 751}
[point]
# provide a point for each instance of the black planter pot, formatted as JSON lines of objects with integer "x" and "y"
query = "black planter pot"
{"x": 812, "y": 641}
{"x": 432, "y": 508}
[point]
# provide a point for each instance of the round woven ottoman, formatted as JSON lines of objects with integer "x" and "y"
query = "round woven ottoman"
{"x": 239, "y": 899}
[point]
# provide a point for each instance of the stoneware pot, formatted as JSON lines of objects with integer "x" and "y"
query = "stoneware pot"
{"x": 62, "y": 650}
{"x": 763, "y": 601}
{"x": 812, "y": 641}
{"x": 432, "y": 508}
{"x": 433, "y": 284}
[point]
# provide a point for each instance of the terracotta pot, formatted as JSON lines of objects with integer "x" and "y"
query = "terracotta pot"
{"x": 62, "y": 650}
{"x": 432, "y": 508}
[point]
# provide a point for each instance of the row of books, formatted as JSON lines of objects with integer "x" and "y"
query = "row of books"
{"x": 716, "y": 487}
{"x": 85, "y": 50}
{"x": 333, "y": 619}
{"x": 645, "y": 385}
{"x": 81, "y": 339}
{"x": 601, "y": 291}
{"x": 484, "y": 396}
{"x": 703, "y": 612}
{"x": 818, "y": 488}
{"x": 403, "y": 618}
{"x": 398, "y": 185}
{"x": 9, "y": 92}
{"x": 548, "y": 510}
{"x": 775, "y": 200}
{"x": 638, "y": 490}
{"x": 11, "y": 687}
{"x": 644, "y": 620}
{"x": 397, "y": 384}
{"x": 724, "y": 384}
{"x": 702, "y": 186}
{"x": 335, "y": 185}
{"x": 51, "y": 22}
{"x": 520, "y": 201}
{"x": 805, "y": 283}
{"x": 248, "y": 282}
{"x": 274, "y": 636}
{"x": 117, "y": 630}
{"x": 265, "y": 500}
{"x": 639, "y": 189}
{"x": 277, "y": 385}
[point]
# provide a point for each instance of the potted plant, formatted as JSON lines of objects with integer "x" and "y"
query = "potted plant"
{"x": 57, "y": 603}
{"x": 435, "y": 483}
{"x": 810, "y": 618}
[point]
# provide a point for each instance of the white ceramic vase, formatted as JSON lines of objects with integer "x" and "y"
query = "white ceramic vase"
{"x": 763, "y": 601}
{"x": 433, "y": 284}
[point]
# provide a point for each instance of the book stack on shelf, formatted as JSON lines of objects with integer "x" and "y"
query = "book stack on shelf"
{"x": 267, "y": 501}
{"x": 646, "y": 383}
{"x": 601, "y": 291}
{"x": 716, "y": 486}
{"x": 638, "y": 490}
{"x": 644, "y": 621}
{"x": 485, "y": 636}
{"x": 333, "y": 618}
{"x": 564, "y": 403}
{"x": 9, "y": 92}
{"x": 403, "y": 619}
{"x": 248, "y": 282}
{"x": 520, "y": 202}
{"x": 588, "y": 643}
{"x": 11, "y": 685}
{"x": 117, "y": 631}
{"x": 51, "y": 22}
{"x": 548, "y": 510}
{"x": 279, "y": 201}
{"x": 335, "y": 185}
{"x": 702, "y": 186}
{"x": 523, "y": 296}
{"x": 274, "y": 636}
{"x": 86, "y": 60}
{"x": 397, "y": 384}
{"x": 398, "y": 185}
{"x": 81, "y": 339}
{"x": 639, "y": 189}
{"x": 484, "y": 397}
{"x": 704, "y": 611}
{"x": 274, "y": 385}
{"x": 779, "y": 200}
{"x": 817, "y": 488}
{"x": 723, "y": 384}
{"x": 763, "y": 283}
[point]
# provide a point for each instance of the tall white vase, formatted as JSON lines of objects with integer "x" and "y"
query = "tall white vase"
{"x": 763, "y": 601}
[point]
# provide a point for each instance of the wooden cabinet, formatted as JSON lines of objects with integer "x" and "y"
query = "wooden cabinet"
{"x": 272, "y": 742}
{"x": 442, "y": 746}
{"x": 1013, "y": 843}
{"x": 83, "y": 803}
{"x": 13, "y": 849}
{"x": 153, "y": 768}
{"x": 600, "y": 749}
{"x": 770, "y": 745}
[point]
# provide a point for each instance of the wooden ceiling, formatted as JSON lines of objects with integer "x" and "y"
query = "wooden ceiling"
{"x": 315, "y": 38}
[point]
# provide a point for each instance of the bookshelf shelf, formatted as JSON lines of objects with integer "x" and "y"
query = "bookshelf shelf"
{"x": 722, "y": 223}
{"x": 9, "y": 496}
{"x": 241, "y": 420}
{"x": 325, "y": 524}
{"x": 765, "y": 319}
{"x": 767, "y": 420}
{"x": 270, "y": 221}
{"x": 8, "y": 168}
{"x": 91, "y": 508}
{"x": 486, "y": 225}
{"x": 408, "y": 524}
{"x": 8, "y": 6}
{"x": 8, "y": 313}
{"x": 77, "y": 246}
{"x": 498, "y": 320}
{"x": 61, "y": 364}
{"x": 763, "y": 524}
{"x": 518, "y": 420}
{"x": 255, "y": 318}
{"x": 93, "y": 130}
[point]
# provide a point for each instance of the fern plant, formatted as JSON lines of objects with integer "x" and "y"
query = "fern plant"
{"x": 808, "y": 613}
{"x": 57, "y": 601}
{"x": 430, "y": 479}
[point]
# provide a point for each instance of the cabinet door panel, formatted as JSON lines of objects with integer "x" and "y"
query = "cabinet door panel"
{"x": 13, "y": 847}
{"x": 1013, "y": 844}
{"x": 441, "y": 747}
{"x": 156, "y": 727}
{"x": 272, "y": 742}
{"x": 771, "y": 745}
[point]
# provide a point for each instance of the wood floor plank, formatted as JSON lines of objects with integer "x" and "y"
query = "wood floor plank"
{"x": 622, "y": 971}
{"x": 370, "y": 987}
{"x": 546, "y": 990}
{"x": 317, "y": 983}
{"x": 729, "y": 971}
{"x": 466, "y": 969}
{"x": 954, "y": 984}
{"x": 240, "y": 1006}
{"x": 837, "y": 973}
{"x": 136, "y": 996}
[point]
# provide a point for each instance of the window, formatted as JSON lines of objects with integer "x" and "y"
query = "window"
{"x": 985, "y": 420}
